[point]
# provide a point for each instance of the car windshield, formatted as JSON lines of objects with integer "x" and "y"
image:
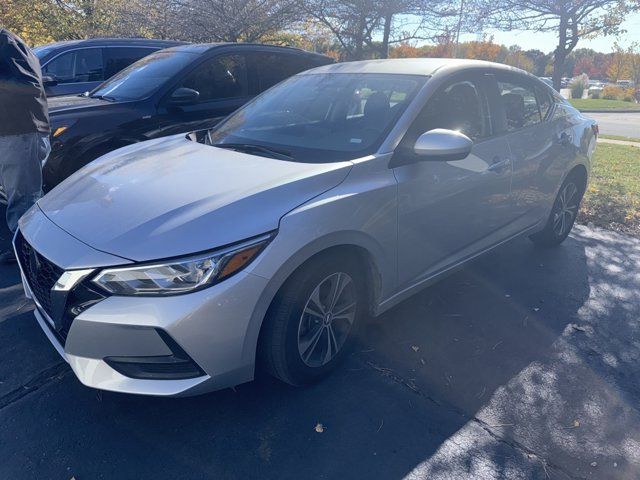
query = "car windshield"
{"x": 144, "y": 77}
{"x": 320, "y": 117}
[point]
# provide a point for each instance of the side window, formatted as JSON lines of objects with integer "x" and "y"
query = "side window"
{"x": 84, "y": 65}
{"x": 219, "y": 78}
{"x": 119, "y": 58}
{"x": 545, "y": 103}
{"x": 460, "y": 106}
{"x": 272, "y": 68}
{"x": 520, "y": 105}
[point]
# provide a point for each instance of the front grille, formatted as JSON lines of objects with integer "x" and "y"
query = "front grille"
{"x": 40, "y": 273}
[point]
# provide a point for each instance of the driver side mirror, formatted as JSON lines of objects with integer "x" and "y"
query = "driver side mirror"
{"x": 184, "y": 96}
{"x": 49, "y": 81}
{"x": 443, "y": 145}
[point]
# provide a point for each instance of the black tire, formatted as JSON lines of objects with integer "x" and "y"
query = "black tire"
{"x": 279, "y": 351}
{"x": 557, "y": 229}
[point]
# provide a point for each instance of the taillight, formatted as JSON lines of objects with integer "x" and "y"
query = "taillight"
{"x": 596, "y": 129}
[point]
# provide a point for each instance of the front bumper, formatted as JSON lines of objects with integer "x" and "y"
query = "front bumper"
{"x": 211, "y": 326}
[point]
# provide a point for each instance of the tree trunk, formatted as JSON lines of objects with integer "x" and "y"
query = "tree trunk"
{"x": 560, "y": 55}
{"x": 386, "y": 33}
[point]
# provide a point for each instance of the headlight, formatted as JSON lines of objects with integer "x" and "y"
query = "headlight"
{"x": 182, "y": 275}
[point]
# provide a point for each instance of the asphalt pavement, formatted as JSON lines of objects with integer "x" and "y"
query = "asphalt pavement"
{"x": 614, "y": 123}
{"x": 522, "y": 365}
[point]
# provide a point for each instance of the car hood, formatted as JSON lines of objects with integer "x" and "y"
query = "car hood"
{"x": 69, "y": 103}
{"x": 172, "y": 196}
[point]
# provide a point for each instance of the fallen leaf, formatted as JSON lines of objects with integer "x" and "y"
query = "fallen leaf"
{"x": 594, "y": 464}
{"x": 319, "y": 428}
{"x": 576, "y": 423}
{"x": 415, "y": 348}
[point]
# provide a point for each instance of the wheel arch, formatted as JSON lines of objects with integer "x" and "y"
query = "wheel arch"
{"x": 354, "y": 243}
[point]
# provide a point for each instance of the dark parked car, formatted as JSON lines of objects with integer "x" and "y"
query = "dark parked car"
{"x": 79, "y": 66}
{"x": 181, "y": 89}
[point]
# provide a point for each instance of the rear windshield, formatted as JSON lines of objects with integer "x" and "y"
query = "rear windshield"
{"x": 142, "y": 78}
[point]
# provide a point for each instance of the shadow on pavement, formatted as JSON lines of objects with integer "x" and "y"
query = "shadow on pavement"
{"x": 483, "y": 375}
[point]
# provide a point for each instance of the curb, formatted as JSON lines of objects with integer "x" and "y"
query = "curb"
{"x": 611, "y": 111}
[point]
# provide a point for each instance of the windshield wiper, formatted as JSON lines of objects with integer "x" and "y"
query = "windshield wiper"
{"x": 257, "y": 149}
{"x": 104, "y": 97}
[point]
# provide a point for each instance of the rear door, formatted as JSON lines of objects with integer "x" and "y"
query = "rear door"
{"x": 535, "y": 143}
{"x": 76, "y": 71}
{"x": 119, "y": 58}
{"x": 449, "y": 210}
{"x": 223, "y": 85}
{"x": 269, "y": 68}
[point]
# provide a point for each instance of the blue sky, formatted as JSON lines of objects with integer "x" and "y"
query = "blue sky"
{"x": 547, "y": 41}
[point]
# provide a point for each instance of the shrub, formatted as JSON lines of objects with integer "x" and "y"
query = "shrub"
{"x": 578, "y": 86}
{"x": 612, "y": 92}
{"x": 577, "y": 90}
{"x": 629, "y": 95}
{"x": 595, "y": 95}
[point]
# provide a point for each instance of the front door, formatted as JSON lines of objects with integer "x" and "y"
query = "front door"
{"x": 449, "y": 210}
{"x": 223, "y": 87}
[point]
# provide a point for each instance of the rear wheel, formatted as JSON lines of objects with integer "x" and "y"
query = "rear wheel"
{"x": 563, "y": 214}
{"x": 312, "y": 321}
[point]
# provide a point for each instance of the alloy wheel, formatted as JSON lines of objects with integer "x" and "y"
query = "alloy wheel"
{"x": 327, "y": 319}
{"x": 566, "y": 209}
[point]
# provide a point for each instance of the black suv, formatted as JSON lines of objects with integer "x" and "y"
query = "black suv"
{"x": 78, "y": 66}
{"x": 178, "y": 90}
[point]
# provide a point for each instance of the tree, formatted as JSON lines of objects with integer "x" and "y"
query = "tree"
{"x": 517, "y": 58}
{"x": 570, "y": 20}
{"x": 235, "y": 20}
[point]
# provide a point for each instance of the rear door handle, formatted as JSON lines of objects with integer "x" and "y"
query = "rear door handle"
{"x": 498, "y": 165}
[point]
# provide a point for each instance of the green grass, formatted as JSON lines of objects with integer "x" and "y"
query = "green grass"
{"x": 602, "y": 104}
{"x": 620, "y": 137}
{"x": 613, "y": 197}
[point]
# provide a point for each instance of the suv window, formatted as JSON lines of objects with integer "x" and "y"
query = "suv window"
{"x": 219, "y": 78}
{"x": 85, "y": 65}
{"x": 272, "y": 68}
{"x": 460, "y": 106}
{"x": 520, "y": 104}
{"x": 119, "y": 58}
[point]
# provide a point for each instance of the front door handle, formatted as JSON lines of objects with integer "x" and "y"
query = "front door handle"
{"x": 498, "y": 165}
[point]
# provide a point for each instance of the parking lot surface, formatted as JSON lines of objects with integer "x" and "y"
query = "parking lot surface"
{"x": 522, "y": 365}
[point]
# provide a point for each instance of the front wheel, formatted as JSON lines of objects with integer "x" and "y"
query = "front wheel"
{"x": 563, "y": 214}
{"x": 312, "y": 321}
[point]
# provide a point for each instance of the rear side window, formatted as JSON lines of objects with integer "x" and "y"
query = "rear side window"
{"x": 119, "y": 58}
{"x": 544, "y": 102}
{"x": 219, "y": 78}
{"x": 272, "y": 68}
{"x": 85, "y": 65}
{"x": 460, "y": 106}
{"x": 520, "y": 104}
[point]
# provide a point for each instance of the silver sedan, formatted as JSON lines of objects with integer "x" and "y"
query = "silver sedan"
{"x": 179, "y": 265}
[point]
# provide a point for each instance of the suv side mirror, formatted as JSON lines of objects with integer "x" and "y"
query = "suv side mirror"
{"x": 49, "y": 81}
{"x": 443, "y": 145}
{"x": 184, "y": 96}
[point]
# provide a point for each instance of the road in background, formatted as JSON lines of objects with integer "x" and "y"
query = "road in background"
{"x": 622, "y": 124}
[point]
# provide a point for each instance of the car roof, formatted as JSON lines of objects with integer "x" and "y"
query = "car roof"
{"x": 200, "y": 48}
{"x": 102, "y": 42}
{"x": 410, "y": 66}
